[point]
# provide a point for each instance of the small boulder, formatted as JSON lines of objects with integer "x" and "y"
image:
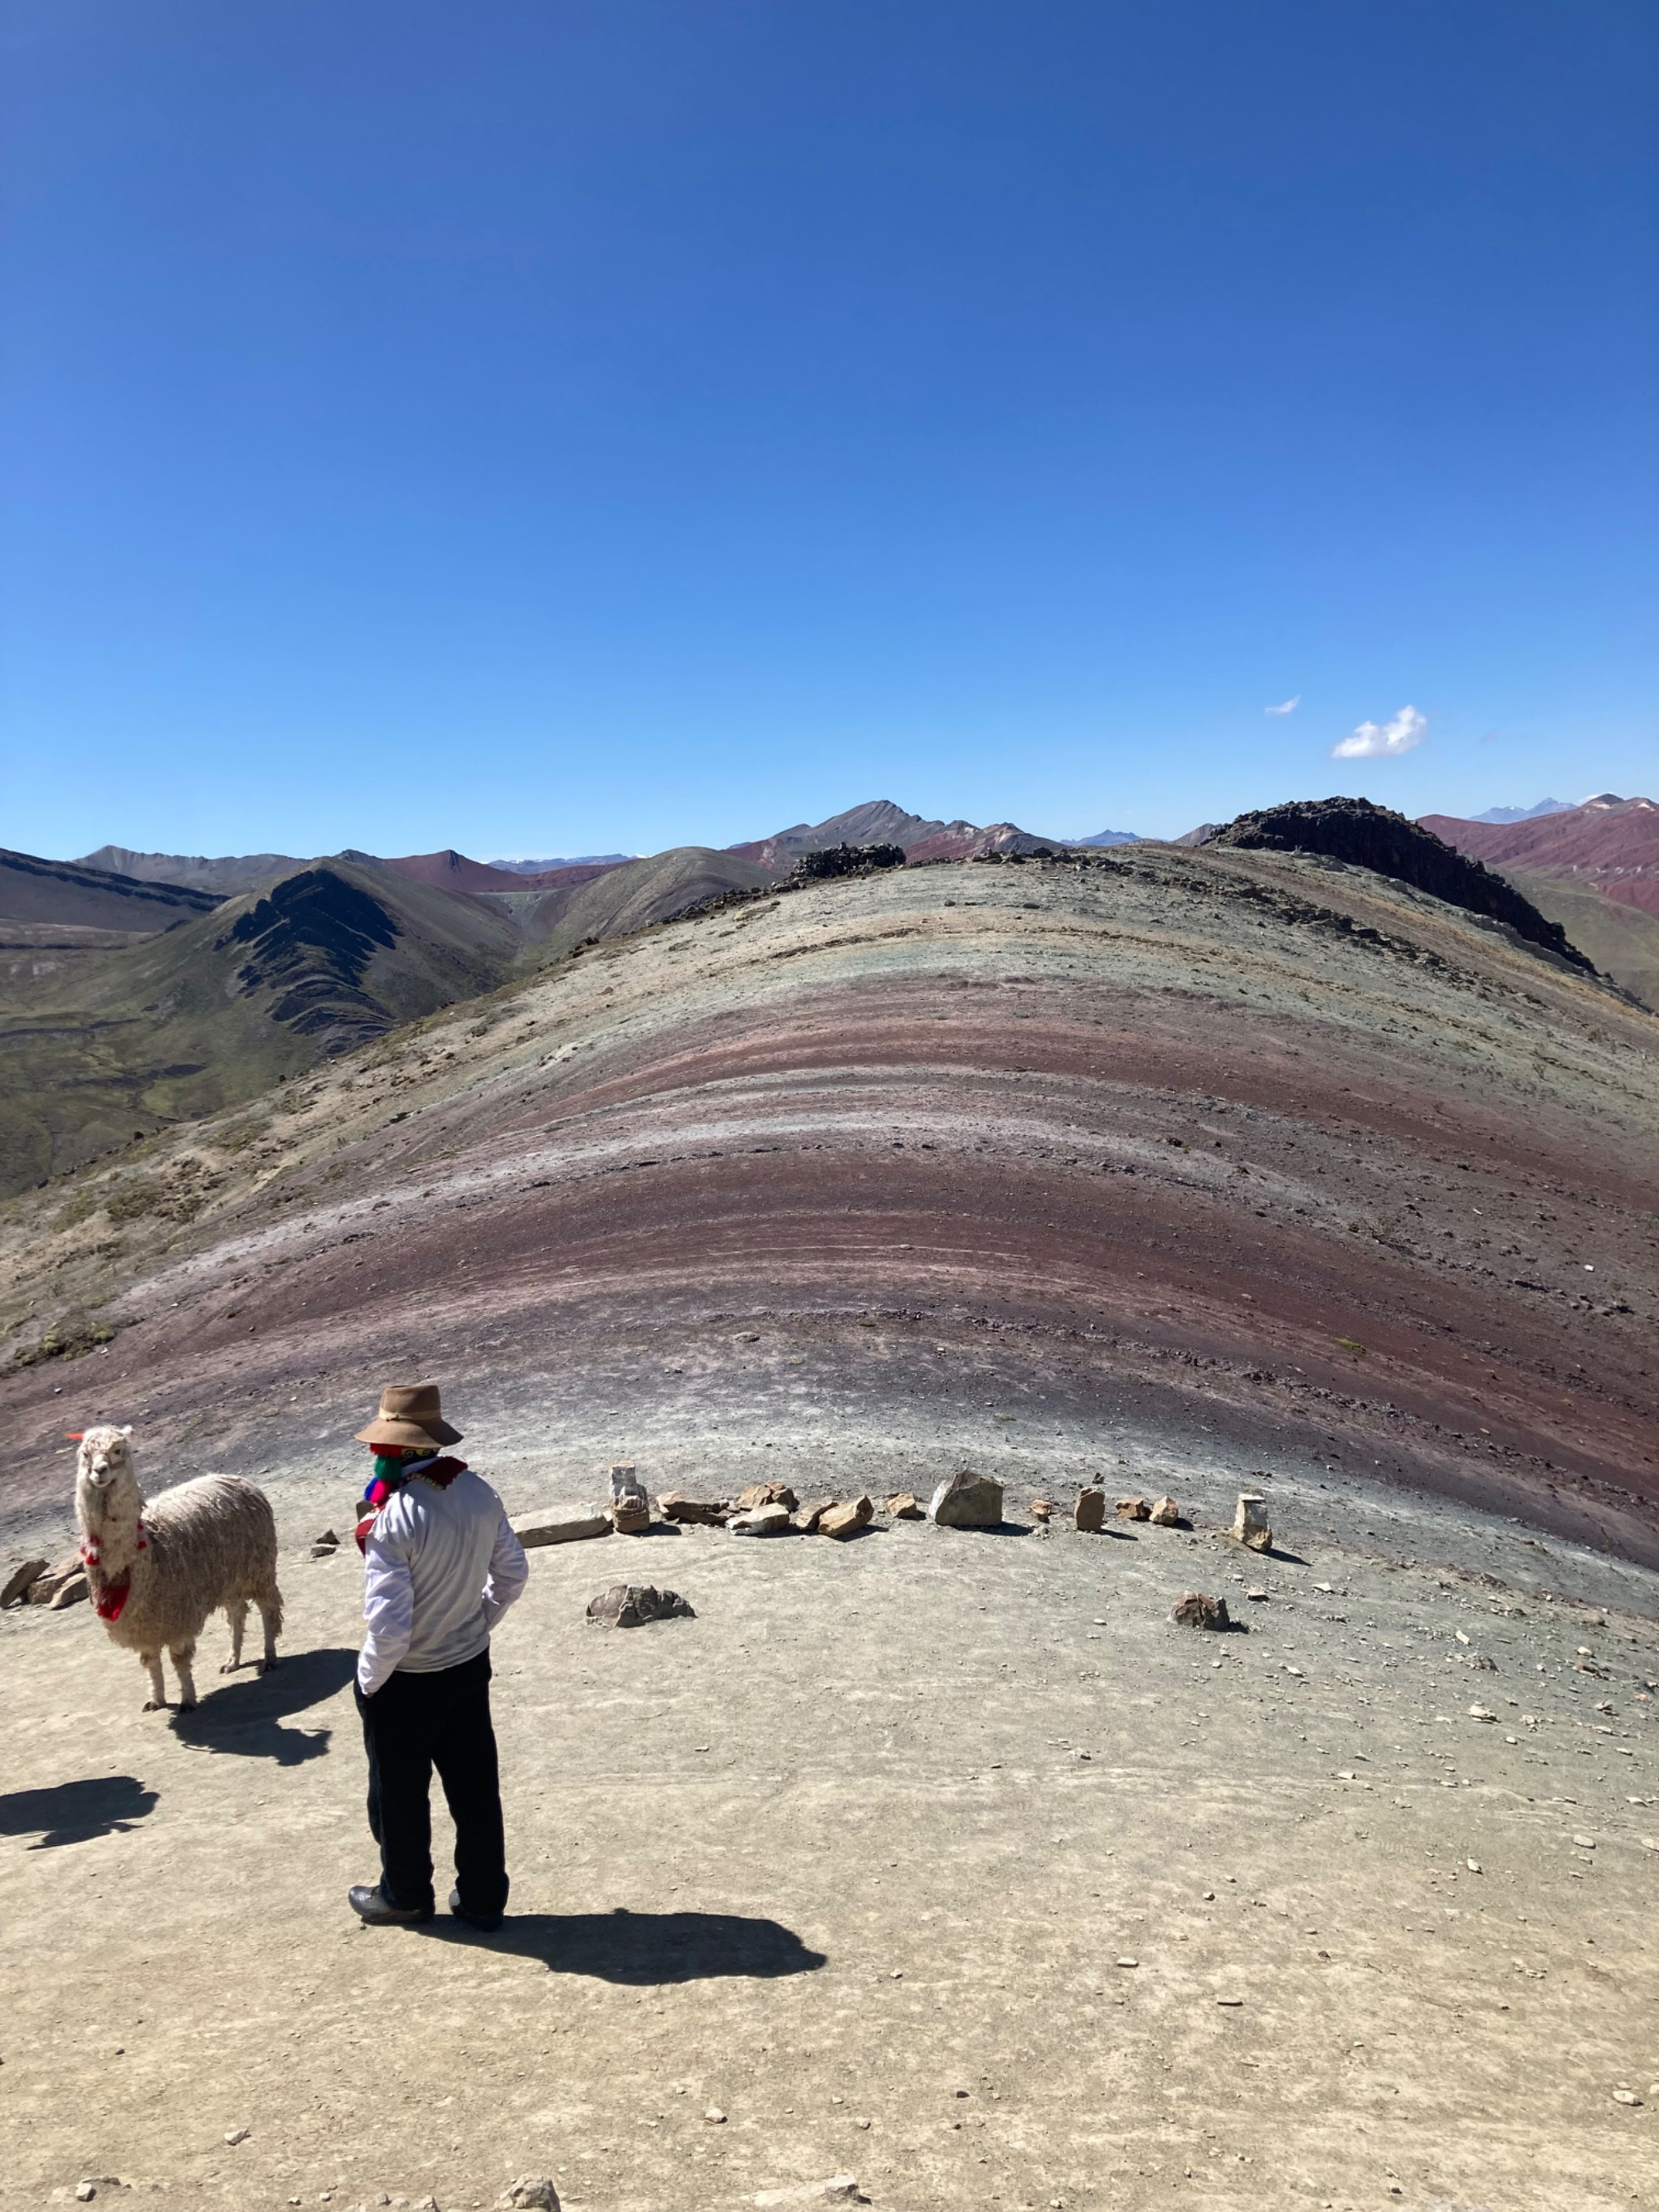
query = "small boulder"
{"x": 17, "y": 1583}
{"x": 74, "y": 1591}
{"x": 1133, "y": 1508}
{"x": 761, "y": 1520}
{"x": 1043, "y": 1509}
{"x": 1196, "y": 1611}
{"x": 1165, "y": 1514}
{"x": 843, "y": 1521}
{"x": 967, "y": 1501}
{"x": 632, "y": 1605}
{"x": 704, "y": 1512}
{"x": 1250, "y": 1522}
{"x": 534, "y": 1528}
{"x": 905, "y": 1507}
{"x": 768, "y": 1493}
{"x": 805, "y": 1522}
{"x": 1091, "y": 1513}
{"x": 45, "y": 1587}
{"x": 531, "y": 2192}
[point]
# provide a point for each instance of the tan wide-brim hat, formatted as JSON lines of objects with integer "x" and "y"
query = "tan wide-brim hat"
{"x": 410, "y": 1413}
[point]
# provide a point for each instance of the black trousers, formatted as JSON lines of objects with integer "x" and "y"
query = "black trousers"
{"x": 412, "y": 1724}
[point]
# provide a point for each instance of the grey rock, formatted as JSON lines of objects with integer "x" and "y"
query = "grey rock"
{"x": 632, "y": 1605}
{"x": 531, "y": 2192}
{"x": 534, "y": 1528}
{"x": 1091, "y": 1513}
{"x": 1196, "y": 1611}
{"x": 967, "y": 1501}
{"x": 762, "y": 1520}
{"x": 74, "y": 1591}
{"x": 17, "y": 1583}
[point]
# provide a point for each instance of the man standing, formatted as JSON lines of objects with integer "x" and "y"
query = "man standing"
{"x": 442, "y": 1565}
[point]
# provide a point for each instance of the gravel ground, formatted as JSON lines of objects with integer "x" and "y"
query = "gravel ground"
{"x": 880, "y": 1826}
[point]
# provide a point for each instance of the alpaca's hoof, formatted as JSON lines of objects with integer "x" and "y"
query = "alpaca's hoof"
{"x": 266, "y": 1664}
{"x": 186, "y": 1705}
{"x": 230, "y": 1667}
{"x": 155, "y": 1705}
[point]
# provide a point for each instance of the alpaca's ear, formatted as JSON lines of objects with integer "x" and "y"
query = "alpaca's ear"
{"x": 127, "y": 1431}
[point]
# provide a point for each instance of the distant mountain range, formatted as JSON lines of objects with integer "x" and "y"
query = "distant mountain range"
{"x": 138, "y": 989}
{"x": 571, "y": 861}
{"x": 1523, "y": 813}
{"x": 1594, "y": 868}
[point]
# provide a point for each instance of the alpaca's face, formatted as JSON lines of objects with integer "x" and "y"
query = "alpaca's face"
{"x": 103, "y": 1469}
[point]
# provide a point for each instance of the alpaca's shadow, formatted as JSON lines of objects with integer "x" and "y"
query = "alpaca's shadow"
{"x": 245, "y": 1716}
{"x": 71, "y": 1812}
{"x": 644, "y": 1949}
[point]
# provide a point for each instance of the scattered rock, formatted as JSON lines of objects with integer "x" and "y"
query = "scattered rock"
{"x": 1482, "y": 1664}
{"x": 630, "y": 1509}
{"x": 1250, "y": 1522}
{"x": 1043, "y": 1509}
{"x": 84, "y": 2192}
{"x": 1133, "y": 1508}
{"x": 807, "y": 1519}
{"x": 234, "y": 2135}
{"x": 533, "y": 1529}
{"x": 72, "y": 1591}
{"x": 1256, "y": 1596}
{"x": 632, "y": 1605}
{"x": 768, "y": 1493}
{"x": 1473, "y": 1865}
{"x": 839, "y": 2189}
{"x": 761, "y": 1520}
{"x": 1197, "y": 1611}
{"x": 1165, "y": 1514}
{"x": 45, "y": 1587}
{"x": 1091, "y": 1513}
{"x": 967, "y": 1501}
{"x": 1128, "y": 1962}
{"x": 703, "y": 1512}
{"x": 328, "y": 1539}
{"x": 905, "y": 1507}
{"x": 843, "y": 1521}
{"x": 18, "y": 1582}
{"x": 1626, "y": 2097}
{"x": 715, "y": 2117}
{"x": 1481, "y": 1713}
{"x": 531, "y": 2192}
{"x": 1585, "y": 1843}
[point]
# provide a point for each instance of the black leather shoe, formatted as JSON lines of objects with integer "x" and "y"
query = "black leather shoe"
{"x": 370, "y": 1907}
{"x": 486, "y": 1922}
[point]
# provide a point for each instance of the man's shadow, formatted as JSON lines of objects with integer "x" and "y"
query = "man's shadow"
{"x": 72, "y": 1812}
{"x": 245, "y": 1716}
{"x": 644, "y": 1949}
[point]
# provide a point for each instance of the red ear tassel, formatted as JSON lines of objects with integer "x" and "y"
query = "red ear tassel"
{"x": 74, "y": 1436}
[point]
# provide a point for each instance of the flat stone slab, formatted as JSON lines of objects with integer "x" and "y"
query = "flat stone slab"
{"x": 558, "y": 1527}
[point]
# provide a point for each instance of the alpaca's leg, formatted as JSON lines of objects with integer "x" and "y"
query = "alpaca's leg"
{"x": 271, "y": 1617}
{"x": 236, "y": 1608}
{"x": 182, "y": 1654}
{"x": 157, "y": 1700}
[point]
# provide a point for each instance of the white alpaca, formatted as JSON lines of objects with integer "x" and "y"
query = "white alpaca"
{"x": 158, "y": 1568}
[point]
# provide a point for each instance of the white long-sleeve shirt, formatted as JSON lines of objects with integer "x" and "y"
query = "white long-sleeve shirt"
{"x": 440, "y": 1568}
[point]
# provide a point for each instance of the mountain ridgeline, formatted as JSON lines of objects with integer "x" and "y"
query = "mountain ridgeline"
{"x": 176, "y": 987}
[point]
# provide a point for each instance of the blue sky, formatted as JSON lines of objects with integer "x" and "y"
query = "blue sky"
{"x": 545, "y": 428}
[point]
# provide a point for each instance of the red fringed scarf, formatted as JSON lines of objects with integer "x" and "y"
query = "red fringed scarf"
{"x": 109, "y": 1597}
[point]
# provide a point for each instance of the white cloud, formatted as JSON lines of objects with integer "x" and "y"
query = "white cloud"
{"x": 1289, "y": 707}
{"x": 1384, "y": 740}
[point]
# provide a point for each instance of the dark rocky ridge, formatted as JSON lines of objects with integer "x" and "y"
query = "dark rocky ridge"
{"x": 1376, "y": 837}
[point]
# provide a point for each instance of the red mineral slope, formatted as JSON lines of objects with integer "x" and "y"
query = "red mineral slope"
{"x": 1167, "y": 1152}
{"x": 1607, "y": 844}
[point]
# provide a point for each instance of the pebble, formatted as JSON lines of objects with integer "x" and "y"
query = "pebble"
{"x": 1626, "y": 2097}
{"x": 715, "y": 2117}
{"x": 234, "y": 2135}
{"x": 1229, "y": 2001}
{"x": 1481, "y": 1713}
{"x": 1128, "y": 1962}
{"x": 1585, "y": 1843}
{"x": 1473, "y": 1865}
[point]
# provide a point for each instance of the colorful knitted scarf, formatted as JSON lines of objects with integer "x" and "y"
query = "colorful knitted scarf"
{"x": 393, "y": 1469}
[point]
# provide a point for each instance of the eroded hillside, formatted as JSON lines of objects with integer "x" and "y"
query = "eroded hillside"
{"x": 1239, "y": 1144}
